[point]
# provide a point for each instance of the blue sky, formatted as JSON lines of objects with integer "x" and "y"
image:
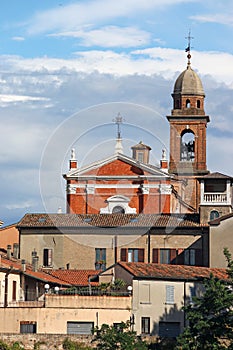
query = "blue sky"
{"x": 79, "y": 63}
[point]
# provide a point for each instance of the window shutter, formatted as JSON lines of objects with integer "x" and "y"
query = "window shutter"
{"x": 97, "y": 254}
{"x": 170, "y": 294}
{"x": 123, "y": 254}
{"x": 172, "y": 256}
{"x": 155, "y": 255}
{"x": 103, "y": 254}
{"x": 140, "y": 255}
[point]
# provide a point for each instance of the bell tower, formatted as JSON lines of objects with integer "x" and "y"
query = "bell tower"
{"x": 188, "y": 123}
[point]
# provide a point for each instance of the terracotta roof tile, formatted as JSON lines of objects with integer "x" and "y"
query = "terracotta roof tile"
{"x": 175, "y": 272}
{"x": 40, "y": 274}
{"x": 110, "y": 220}
{"x": 75, "y": 277}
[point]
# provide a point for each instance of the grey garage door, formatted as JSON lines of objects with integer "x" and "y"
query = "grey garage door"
{"x": 80, "y": 327}
{"x": 169, "y": 329}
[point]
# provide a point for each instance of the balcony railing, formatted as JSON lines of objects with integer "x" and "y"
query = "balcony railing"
{"x": 215, "y": 198}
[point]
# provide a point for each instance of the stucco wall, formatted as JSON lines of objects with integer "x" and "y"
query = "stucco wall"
{"x": 53, "y": 318}
{"x": 150, "y": 301}
{"x": 221, "y": 237}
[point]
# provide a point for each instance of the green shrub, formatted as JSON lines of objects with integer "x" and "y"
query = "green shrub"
{"x": 71, "y": 345}
{"x": 17, "y": 346}
{"x": 3, "y": 346}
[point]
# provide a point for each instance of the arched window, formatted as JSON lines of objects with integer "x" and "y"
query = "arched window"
{"x": 187, "y": 146}
{"x": 198, "y": 104}
{"x": 118, "y": 210}
{"x": 214, "y": 214}
{"x": 188, "y": 103}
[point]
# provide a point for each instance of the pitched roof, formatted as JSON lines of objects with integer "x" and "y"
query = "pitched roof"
{"x": 43, "y": 276}
{"x": 76, "y": 277}
{"x": 151, "y": 169}
{"x": 110, "y": 220}
{"x": 171, "y": 272}
{"x": 216, "y": 175}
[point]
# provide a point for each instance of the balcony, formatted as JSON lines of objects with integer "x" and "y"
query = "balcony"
{"x": 215, "y": 198}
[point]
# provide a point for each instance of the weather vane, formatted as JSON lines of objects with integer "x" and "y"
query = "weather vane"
{"x": 118, "y": 120}
{"x": 188, "y": 48}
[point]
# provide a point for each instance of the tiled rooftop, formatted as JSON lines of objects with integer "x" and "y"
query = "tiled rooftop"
{"x": 174, "y": 272}
{"x": 40, "y": 275}
{"x": 110, "y": 220}
{"x": 76, "y": 277}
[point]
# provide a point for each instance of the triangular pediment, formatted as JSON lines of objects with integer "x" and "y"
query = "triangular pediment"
{"x": 117, "y": 165}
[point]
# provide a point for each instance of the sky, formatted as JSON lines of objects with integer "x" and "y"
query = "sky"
{"x": 67, "y": 68}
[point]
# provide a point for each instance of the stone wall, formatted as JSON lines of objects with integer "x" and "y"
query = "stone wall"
{"x": 44, "y": 341}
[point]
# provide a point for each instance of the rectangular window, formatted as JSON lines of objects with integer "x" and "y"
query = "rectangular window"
{"x": 145, "y": 325}
{"x": 14, "y": 286}
{"x": 164, "y": 256}
{"x": 100, "y": 258}
{"x": 27, "y": 327}
{"x": 140, "y": 157}
{"x": 48, "y": 257}
{"x": 192, "y": 290}
{"x": 132, "y": 254}
{"x": 170, "y": 294}
{"x": 189, "y": 257}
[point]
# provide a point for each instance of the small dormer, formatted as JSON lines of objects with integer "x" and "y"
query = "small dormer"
{"x": 141, "y": 153}
{"x": 215, "y": 196}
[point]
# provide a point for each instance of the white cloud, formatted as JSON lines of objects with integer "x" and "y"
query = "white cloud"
{"x": 110, "y": 36}
{"x": 148, "y": 61}
{"x": 18, "y": 38}
{"x": 6, "y": 99}
{"x": 74, "y": 16}
{"x": 226, "y": 19}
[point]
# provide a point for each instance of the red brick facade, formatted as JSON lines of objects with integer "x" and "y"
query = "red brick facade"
{"x": 146, "y": 193}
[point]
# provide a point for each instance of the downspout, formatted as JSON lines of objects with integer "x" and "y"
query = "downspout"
{"x": 148, "y": 246}
{"x": 184, "y": 304}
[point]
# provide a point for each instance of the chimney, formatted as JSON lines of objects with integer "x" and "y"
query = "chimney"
{"x": 23, "y": 265}
{"x": 9, "y": 251}
{"x": 164, "y": 162}
{"x": 35, "y": 260}
{"x": 73, "y": 161}
{"x": 16, "y": 250}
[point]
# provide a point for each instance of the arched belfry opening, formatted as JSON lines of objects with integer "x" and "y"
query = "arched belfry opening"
{"x": 188, "y": 103}
{"x": 187, "y": 146}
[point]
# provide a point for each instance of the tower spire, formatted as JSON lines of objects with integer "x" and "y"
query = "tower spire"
{"x": 188, "y": 48}
{"x": 118, "y": 121}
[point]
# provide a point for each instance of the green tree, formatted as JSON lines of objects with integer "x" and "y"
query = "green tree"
{"x": 120, "y": 337}
{"x": 210, "y": 316}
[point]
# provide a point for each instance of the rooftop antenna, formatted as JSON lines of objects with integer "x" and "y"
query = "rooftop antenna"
{"x": 118, "y": 121}
{"x": 188, "y": 48}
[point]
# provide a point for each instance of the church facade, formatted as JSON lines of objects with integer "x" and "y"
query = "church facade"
{"x": 124, "y": 208}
